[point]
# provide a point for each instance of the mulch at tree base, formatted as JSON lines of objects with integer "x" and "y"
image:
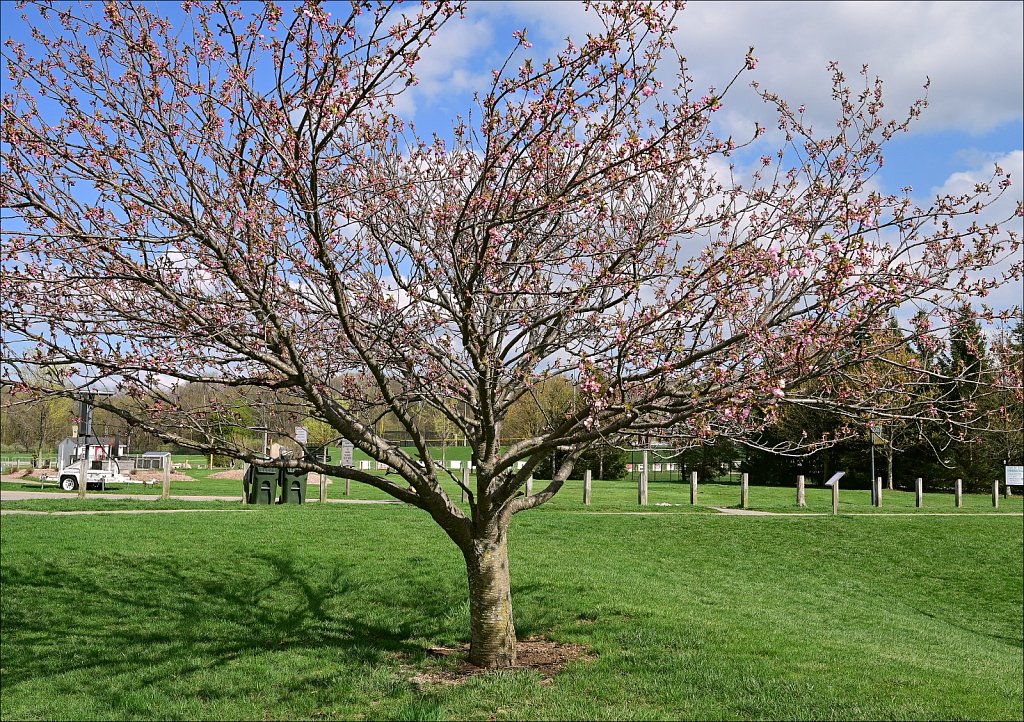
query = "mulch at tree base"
{"x": 534, "y": 653}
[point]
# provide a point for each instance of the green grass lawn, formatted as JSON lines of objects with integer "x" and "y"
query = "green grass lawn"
{"x": 611, "y": 496}
{"x": 327, "y": 612}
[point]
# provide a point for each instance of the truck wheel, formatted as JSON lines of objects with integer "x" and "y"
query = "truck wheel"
{"x": 68, "y": 483}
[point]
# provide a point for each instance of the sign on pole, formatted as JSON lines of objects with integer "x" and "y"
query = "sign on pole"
{"x": 835, "y": 477}
{"x": 876, "y": 436}
{"x": 1014, "y": 475}
{"x": 301, "y": 435}
{"x": 346, "y": 452}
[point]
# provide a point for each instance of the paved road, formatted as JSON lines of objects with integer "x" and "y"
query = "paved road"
{"x": 6, "y": 495}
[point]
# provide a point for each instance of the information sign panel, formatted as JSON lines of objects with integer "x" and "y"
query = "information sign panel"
{"x": 835, "y": 477}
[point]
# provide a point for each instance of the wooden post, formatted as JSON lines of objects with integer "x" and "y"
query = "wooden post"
{"x": 166, "y": 492}
{"x": 919, "y": 492}
{"x": 958, "y": 493}
{"x": 348, "y": 487}
{"x": 744, "y": 491}
{"x": 835, "y": 497}
{"x": 693, "y": 487}
{"x": 586, "y": 487}
{"x": 465, "y": 482}
{"x": 801, "y": 495}
{"x": 995, "y": 493}
{"x": 878, "y": 492}
{"x": 83, "y": 469}
{"x": 529, "y": 485}
{"x": 323, "y": 488}
{"x": 641, "y": 491}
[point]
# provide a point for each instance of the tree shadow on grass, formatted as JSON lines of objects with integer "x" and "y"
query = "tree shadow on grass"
{"x": 156, "y": 623}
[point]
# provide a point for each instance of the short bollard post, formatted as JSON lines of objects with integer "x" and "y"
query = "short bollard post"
{"x": 586, "y": 487}
{"x": 465, "y": 481}
{"x": 919, "y": 492}
{"x": 958, "y": 493}
{"x": 323, "y": 488}
{"x": 165, "y": 491}
{"x": 693, "y": 487}
{"x": 801, "y": 495}
{"x": 744, "y": 491}
{"x": 529, "y": 485}
{"x": 348, "y": 487}
{"x": 878, "y": 492}
{"x": 835, "y": 497}
{"x": 995, "y": 493}
{"x": 641, "y": 487}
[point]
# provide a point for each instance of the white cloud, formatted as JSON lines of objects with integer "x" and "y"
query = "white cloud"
{"x": 973, "y": 52}
{"x": 964, "y": 181}
{"x": 454, "y": 64}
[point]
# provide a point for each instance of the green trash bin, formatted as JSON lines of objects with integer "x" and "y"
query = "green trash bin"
{"x": 293, "y": 486}
{"x": 263, "y": 485}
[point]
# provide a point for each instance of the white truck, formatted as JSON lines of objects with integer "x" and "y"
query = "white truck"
{"x": 69, "y": 477}
{"x": 102, "y": 467}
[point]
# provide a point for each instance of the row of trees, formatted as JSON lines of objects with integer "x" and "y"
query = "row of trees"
{"x": 905, "y": 449}
{"x": 963, "y": 370}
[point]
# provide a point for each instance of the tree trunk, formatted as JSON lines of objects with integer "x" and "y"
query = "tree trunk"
{"x": 493, "y": 642}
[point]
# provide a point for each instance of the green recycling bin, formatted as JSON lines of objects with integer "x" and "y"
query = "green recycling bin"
{"x": 293, "y": 486}
{"x": 263, "y": 485}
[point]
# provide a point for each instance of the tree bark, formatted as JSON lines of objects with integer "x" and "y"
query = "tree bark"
{"x": 493, "y": 640}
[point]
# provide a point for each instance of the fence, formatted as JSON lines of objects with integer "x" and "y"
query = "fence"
{"x": 25, "y": 462}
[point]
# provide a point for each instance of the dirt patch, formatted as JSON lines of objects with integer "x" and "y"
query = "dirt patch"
{"x": 543, "y": 656}
{"x": 158, "y": 476}
{"x": 235, "y": 474}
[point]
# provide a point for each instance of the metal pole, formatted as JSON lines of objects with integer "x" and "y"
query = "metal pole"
{"x": 874, "y": 499}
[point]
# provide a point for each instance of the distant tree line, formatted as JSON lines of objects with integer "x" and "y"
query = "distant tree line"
{"x": 902, "y": 451}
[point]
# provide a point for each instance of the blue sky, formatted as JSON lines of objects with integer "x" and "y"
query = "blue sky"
{"x": 972, "y": 52}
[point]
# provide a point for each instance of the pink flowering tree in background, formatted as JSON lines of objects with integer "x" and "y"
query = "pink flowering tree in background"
{"x": 233, "y": 201}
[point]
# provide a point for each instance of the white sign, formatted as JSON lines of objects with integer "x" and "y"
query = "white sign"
{"x": 301, "y": 435}
{"x": 835, "y": 478}
{"x": 1014, "y": 475}
{"x": 346, "y": 452}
